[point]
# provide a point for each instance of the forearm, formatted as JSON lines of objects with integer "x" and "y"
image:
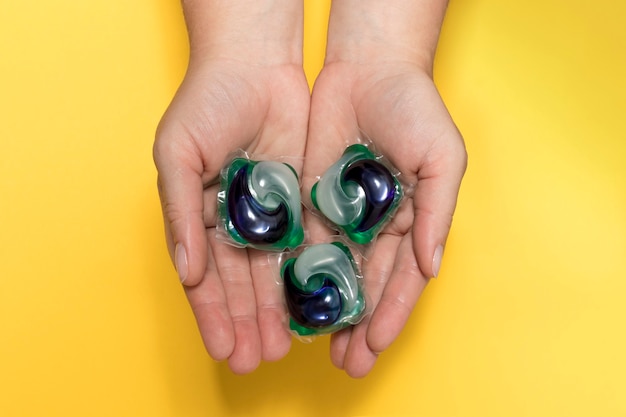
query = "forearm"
{"x": 255, "y": 31}
{"x": 373, "y": 30}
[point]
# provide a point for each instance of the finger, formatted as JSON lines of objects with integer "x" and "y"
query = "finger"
{"x": 435, "y": 200}
{"x": 271, "y": 311}
{"x": 378, "y": 268}
{"x": 234, "y": 270}
{"x": 359, "y": 358}
{"x": 208, "y": 303}
{"x": 402, "y": 291}
{"x": 380, "y": 259}
{"x": 338, "y": 346}
{"x": 180, "y": 189}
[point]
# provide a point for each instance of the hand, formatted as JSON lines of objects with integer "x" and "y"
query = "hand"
{"x": 237, "y": 94}
{"x": 388, "y": 95}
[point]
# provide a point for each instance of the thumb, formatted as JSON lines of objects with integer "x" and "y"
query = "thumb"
{"x": 435, "y": 200}
{"x": 181, "y": 193}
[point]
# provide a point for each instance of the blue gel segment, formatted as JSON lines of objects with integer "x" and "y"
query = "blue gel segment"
{"x": 316, "y": 309}
{"x": 322, "y": 290}
{"x": 379, "y": 188}
{"x": 358, "y": 194}
{"x": 256, "y": 224}
{"x": 261, "y": 205}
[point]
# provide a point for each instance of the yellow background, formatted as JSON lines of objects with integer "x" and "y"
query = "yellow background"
{"x": 527, "y": 318}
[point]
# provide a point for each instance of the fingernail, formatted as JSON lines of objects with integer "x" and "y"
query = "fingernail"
{"x": 180, "y": 261}
{"x": 437, "y": 260}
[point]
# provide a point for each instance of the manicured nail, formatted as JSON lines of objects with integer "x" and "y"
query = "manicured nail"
{"x": 180, "y": 261}
{"x": 437, "y": 260}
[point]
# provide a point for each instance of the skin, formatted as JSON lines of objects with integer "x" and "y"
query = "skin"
{"x": 244, "y": 89}
{"x": 379, "y": 62}
{"x": 246, "y": 65}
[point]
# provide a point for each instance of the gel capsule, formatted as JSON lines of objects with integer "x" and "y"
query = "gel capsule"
{"x": 358, "y": 194}
{"x": 259, "y": 204}
{"x": 322, "y": 290}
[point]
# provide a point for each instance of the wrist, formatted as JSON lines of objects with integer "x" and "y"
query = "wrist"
{"x": 255, "y": 31}
{"x": 371, "y": 31}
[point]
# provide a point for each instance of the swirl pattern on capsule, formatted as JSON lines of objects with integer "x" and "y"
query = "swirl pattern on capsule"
{"x": 322, "y": 289}
{"x": 358, "y": 194}
{"x": 259, "y": 204}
